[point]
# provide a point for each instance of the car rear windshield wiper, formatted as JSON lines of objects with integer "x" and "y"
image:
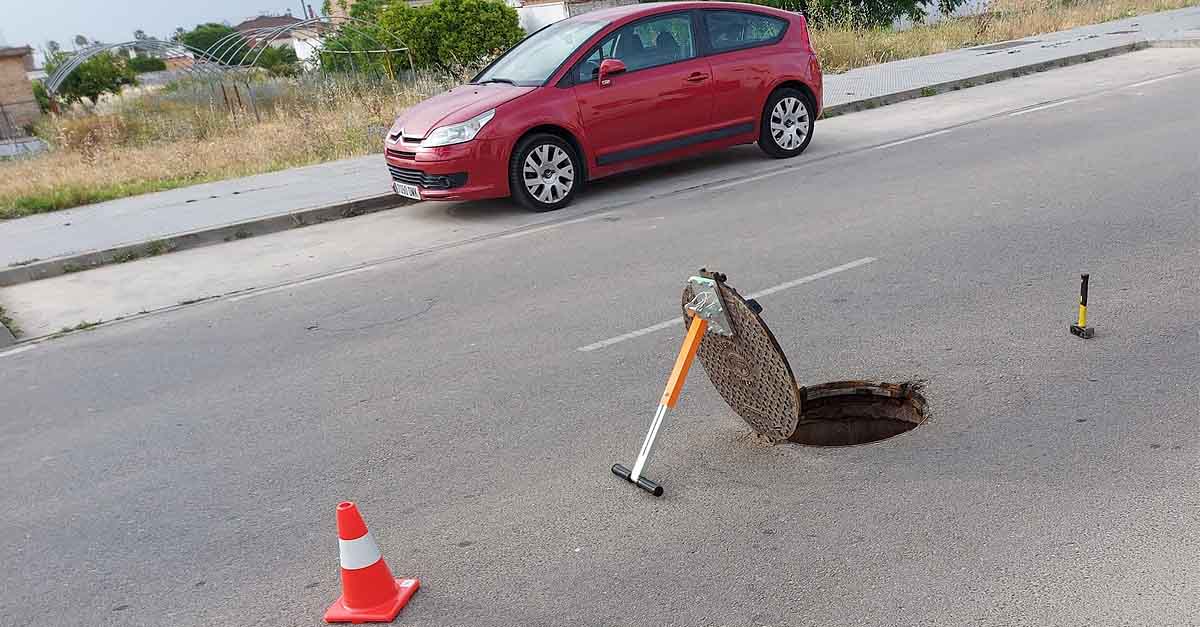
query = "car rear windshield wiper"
{"x": 497, "y": 80}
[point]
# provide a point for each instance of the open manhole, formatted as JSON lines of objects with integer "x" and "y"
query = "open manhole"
{"x": 752, "y": 374}
{"x": 845, "y": 413}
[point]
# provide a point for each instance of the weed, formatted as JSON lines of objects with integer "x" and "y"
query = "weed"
{"x": 8, "y": 323}
{"x": 928, "y": 91}
{"x": 125, "y": 257}
{"x": 69, "y": 268}
{"x": 156, "y": 248}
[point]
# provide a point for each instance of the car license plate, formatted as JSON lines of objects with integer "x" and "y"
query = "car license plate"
{"x": 406, "y": 190}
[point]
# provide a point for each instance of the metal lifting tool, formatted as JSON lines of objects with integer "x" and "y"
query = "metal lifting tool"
{"x": 707, "y": 312}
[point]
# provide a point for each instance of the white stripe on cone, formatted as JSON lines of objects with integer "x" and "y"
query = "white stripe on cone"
{"x": 358, "y": 553}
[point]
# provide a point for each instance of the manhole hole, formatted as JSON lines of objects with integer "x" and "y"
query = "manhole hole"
{"x": 845, "y": 413}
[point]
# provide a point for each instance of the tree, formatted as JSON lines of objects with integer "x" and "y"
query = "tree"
{"x": 52, "y": 48}
{"x": 42, "y": 96}
{"x": 178, "y": 34}
{"x": 204, "y": 36}
{"x": 861, "y": 13}
{"x": 140, "y": 35}
{"x": 81, "y": 41}
{"x": 278, "y": 60}
{"x": 453, "y": 34}
{"x": 140, "y": 64}
{"x": 104, "y": 73}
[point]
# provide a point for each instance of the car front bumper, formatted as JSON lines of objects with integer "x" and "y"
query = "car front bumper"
{"x": 472, "y": 170}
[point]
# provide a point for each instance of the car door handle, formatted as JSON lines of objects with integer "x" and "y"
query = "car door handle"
{"x": 697, "y": 77}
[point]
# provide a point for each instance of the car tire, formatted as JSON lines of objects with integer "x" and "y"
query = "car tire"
{"x": 545, "y": 172}
{"x": 788, "y": 113}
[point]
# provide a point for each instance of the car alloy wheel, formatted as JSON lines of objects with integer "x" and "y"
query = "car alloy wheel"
{"x": 789, "y": 123}
{"x": 545, "y": 172}
{"x": 548, "y": 173}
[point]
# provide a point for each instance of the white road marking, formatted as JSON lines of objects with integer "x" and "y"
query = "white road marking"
{"x": 1155, "y": 80}
{"x": 19, "y": 349}
{"x": 549, "y": 226}
{"x": 911, "y": 139}
{"x": 765, "y": 292}
{"x": 1043, "y": 107}
{"x": 751, "y": 179}
{"x": 280, "y": 288}
{"x": 767, "y": 175}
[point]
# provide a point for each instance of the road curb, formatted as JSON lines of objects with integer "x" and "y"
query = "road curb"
{"x": 875, "y": 102}
{"x": 47, "y": 268}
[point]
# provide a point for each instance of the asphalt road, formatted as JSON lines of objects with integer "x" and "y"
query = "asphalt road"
{"x": 182, "y": 469}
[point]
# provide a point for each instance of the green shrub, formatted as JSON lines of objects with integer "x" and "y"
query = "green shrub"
{"x": 448, "y": 35}
{"x": 42, "y": 96}
{"x": 104, "y": 73}
{"x": 140, "y": 65}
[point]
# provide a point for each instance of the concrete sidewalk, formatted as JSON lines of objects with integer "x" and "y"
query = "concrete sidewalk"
{"x": 41, "y": 246}
{"x": 887, "y": 83}
{"x": 51, "y": 244}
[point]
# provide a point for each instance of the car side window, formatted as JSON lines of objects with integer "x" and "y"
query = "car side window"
{"x": 730, "y": 30}
{"x": 656, "y": 41}
{"x": 590, "y": 67}
{"x": 648, "y": 43}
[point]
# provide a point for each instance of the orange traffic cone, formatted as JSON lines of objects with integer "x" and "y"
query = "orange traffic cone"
{"x": 369, "y": 592}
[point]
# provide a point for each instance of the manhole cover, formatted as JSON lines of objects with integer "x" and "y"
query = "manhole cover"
{"x": 752, "y": 374}
{"x": 845, "y": 413}
{"x": 1004, "y": 45}
{"x": 749, "y": 369}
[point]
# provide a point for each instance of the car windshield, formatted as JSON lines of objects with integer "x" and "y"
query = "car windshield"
{"x": 531, "y": 62}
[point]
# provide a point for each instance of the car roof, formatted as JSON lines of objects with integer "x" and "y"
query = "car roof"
{"x": 615, "y": 14}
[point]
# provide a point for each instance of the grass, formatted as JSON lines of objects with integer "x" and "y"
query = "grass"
{"x": 843, "y": 49}
{"x": 152, "y": 142}
{"x": 194, "y": 133}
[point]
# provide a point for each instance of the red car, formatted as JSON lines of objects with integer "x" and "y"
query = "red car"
{"x": 610, "y": 91}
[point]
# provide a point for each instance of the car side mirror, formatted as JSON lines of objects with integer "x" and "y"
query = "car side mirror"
{"x": 608, "y": 68}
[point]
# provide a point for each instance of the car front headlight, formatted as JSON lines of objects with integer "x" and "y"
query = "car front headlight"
{"x": 458, "y": 133}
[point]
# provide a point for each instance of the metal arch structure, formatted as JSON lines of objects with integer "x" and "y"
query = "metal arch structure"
{"x": 240, "y": 46}
{"x": 239, "y": 50}
{"x": 232, "y": 46}
{"x": 202, "y": 63}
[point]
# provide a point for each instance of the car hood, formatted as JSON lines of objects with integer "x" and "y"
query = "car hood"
{"x": 457, "y": 105}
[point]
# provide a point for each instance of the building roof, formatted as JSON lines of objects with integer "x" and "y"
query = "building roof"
{"x": 18, "y": 51}
{"x": 266, "y": 21}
